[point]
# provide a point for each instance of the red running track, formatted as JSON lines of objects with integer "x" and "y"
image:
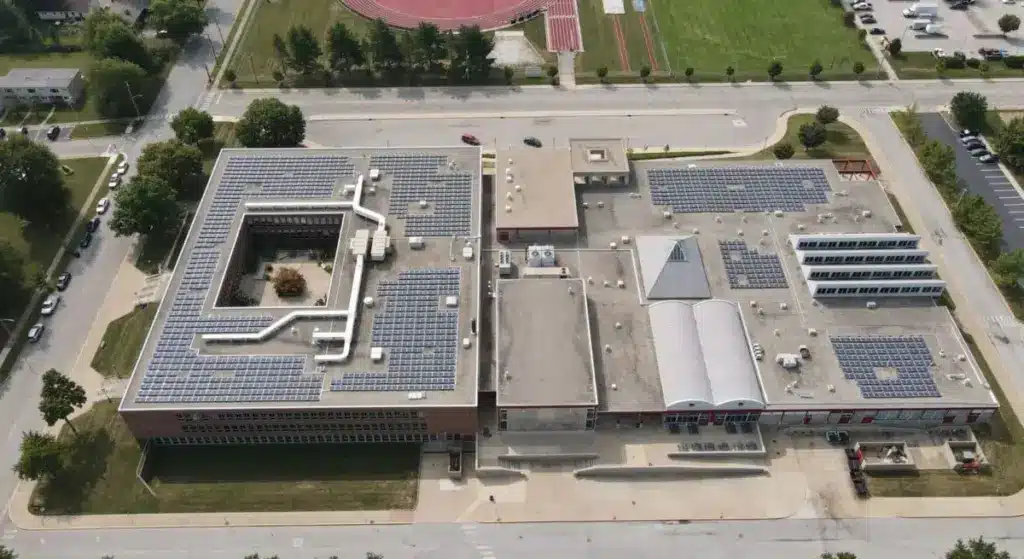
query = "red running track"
{"x": 562, "y": 18}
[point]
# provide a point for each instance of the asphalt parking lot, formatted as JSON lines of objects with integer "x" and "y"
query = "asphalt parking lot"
{"x": 986, "y": 180}
{"x": 960, "y": 28}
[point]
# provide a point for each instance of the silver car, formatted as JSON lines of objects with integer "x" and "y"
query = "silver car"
{"x": 35, "y": 333}
{"x": 50, "y": 305}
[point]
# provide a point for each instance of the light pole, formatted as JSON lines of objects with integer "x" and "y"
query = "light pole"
{"x": 132, "y": 96}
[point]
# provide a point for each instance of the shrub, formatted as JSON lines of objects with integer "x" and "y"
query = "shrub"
{"x": 644, "y": 72}
{"x": 973, "y": 63}
{"x": 230, "y": 75}
{"x": 1015, "y": 62}
{"x": 783, "y": 150}
{"x": 849, "y": 19}
{"x": 827, "y": 114}
{"x": 269, "y": 268}
{"x": 895, "y": 47}
{"x": 278, "y": 76}
{"x": 858, "y": 68}
{"x": 288, "y": 282}
{"x": 689, "y": 72}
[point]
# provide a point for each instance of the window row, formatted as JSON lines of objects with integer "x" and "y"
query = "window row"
{"x": 857, "y": 245}
{"x": 867, "y": 259}
{"x": 311, "y": 439}
{"x": 877, "y": 290}
{"x": 871, "y": 274}
{"x": 301, "y": 427}
{"x": 297, "y": 415}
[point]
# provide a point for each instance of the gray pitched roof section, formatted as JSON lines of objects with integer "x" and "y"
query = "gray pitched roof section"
{"x": 672, "y": 268}
{"x": 704, "y": 357}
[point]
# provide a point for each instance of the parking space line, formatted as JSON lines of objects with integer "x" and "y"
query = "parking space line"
{"x": 1009, "y": 197}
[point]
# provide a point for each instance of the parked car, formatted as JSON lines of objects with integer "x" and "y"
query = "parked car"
{"x": 989, "y": 158}
{"x": 86, "y": 240}
{"x": 968, "y": 139}
{"x": 50, "y": 304}
{"x": 868, "y": 19}
{"x": 53, "y": 133}
{"x": 532, "y": 142}
{"x": 979, "y": 152}
{"x": 863, "y": 7}
{"x": 961, "y": 6}
{"x": 122, "y": 167}
{"x": 35, "y": 333}
{"x": 115, "y": 181}
{"x": 63, "y": 280}
{"x": 470, "y": 139}
{"x": 877, "y": 31}
{"x": 975, "y": 145}
{"x": 93, "y": 225}
{"x": 102, "y": 206}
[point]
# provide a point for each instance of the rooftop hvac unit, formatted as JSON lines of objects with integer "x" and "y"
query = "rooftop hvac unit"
{"x": 531, "y": 272}
{"x": 379, "y": 247}
{"x": 504, "y": 263}
{"x": 360, "y": 242}
{"x": 540, "y": 256}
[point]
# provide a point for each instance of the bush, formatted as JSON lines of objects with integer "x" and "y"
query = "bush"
{"x": 849, "y": 19}
{"x": 288, "y": 282}
{"x": 230, "y": 75}
{"x": 278, "y": 76}
{"x": 973, "y": 63}
{"x": 1015, "y": 62}
{"x": 783, "y": 150}
{"x": 269, "y": 268}
{"x": 895, "y": 47}
{"x": 827, "y": 115}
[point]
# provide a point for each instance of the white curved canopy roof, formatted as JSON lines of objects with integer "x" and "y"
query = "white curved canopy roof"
{"x": 704, "y": 357}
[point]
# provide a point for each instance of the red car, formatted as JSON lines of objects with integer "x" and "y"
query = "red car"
{"x": 470, "y": 139}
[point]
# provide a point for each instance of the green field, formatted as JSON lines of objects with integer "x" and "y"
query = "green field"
{"x": 122, "y": 342}
{"x": 710, "y": 35}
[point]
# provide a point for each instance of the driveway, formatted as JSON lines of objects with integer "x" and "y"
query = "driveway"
{"x": 985, "y": 180}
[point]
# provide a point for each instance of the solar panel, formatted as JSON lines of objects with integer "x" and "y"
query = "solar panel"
{"x": 750, "y": 269}
{"x": 728, "y": 189}
{"x": 904, "y": 361}
{"x": 421, "y": 177}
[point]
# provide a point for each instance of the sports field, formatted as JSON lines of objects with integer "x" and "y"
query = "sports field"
{"x": 711, "y": 35}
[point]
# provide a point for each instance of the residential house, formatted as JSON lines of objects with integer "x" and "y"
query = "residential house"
{"x": 41, "y": 86}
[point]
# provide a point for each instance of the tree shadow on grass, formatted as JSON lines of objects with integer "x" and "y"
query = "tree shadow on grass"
{"x": 86, "y": 461}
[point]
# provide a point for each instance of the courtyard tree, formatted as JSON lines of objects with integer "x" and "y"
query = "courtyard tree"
{"x": 783, "y": 150}
{"x": 117, "y": 88}
{"x": 976, "y": 549}
{"x": 1008, "y": 267}
{"x": 815, "y": 70}
{"x": 42, "y": 456}
{"x": 970, "y": 110}
{"x": 288, "y": 282}
{"x": 192, "y": 126}
{"x": 427, "y": 47}
{"x": 895, "y": 46}
{"x": 602, "y": 73}
{"x": 147, "y": 205}
{"x": 858, "y": 68}
{"x": 31, "y": 182}
{"x": 106, "y": 35}
{"x": 980, "y": 223}
{"x": 774, "y": 70}
{"x": 177, "y": 164}
{"x": 826, "y": 115}
{"x": 470, "y": 55}
{"x": 60, "y": 397}
{"x": 304, "y": 50}
{"x": 812, "y": 135}
{"x": 1008, "y": 23}
{"x": 385, "y": 52}
{"x": 180, "y": 19}
{"x": 344, "y": 52}
{"x": 12, "y": 278}
{"x": 1010, "y": 144}
{"x": 269, "y": 123}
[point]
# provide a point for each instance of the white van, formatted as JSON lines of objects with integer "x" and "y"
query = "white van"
{"x": 919, "y": 24}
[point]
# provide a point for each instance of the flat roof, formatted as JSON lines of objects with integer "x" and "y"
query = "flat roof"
{"x": 544, "y": 351}
{"x": 541, "y": 194}
{"x": 599, "y": 156}
{"x": 39, "y": 77}
{"x": 417, "y": 327}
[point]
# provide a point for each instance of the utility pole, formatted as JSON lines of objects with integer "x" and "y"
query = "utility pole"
{"x": 223, "y": 43}
{"x": 131, "y": 96}
{"x": 212, "y": 47}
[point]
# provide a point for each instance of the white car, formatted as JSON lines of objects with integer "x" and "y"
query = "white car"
{"x": 50, "y": 305}
{"x": 36, "y": 332}
{"x": 122, "y": 167}
{"x": 1008, "y": 1}
{"x": 102, "y": 206}
{"x": 115, "y": 181}
{"x": 863, "y": 7}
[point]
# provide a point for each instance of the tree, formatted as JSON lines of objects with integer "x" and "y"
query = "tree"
{"x": 147, "y": 205}
{"x": 192, "y": 125}
{"x": 980, "y": 223}
{"x": 688, "y": 72}
{"x": 178, "y": 165}
{"x": 1008, "y": 23}
{"x": 838, "y": 555}
{"x": 941, "y": 66}
{"x": 969, "y": 109}
{"x": 385, "y": 52}
{"x": 12, "y": 278}
{"x": 827, "y": 115}
{"x": 815, "y": 70}
{"x": 850, "y": 19}
{"x": 1010, "y": 144}
{"x": 984, "y": 68}
{"x": 117, "y": 88}
{"x": 552, "y": 72}
{"x": 230, "y": 76}
{"x": 60, "y": 397}
{"x": 31, "y": 181}
{"x": 6, "y": 553}
{"x": 730, "y": 72}
{"x": 1008, "y": 267}
{"x": 895, "y": 47}
{"x": 179, "y": 18}
{"x": 288, "y": 282}
{"x": 645, "y": 72}
{"x": 470, "y": 55}
{"x": 269, "y": 123}
{"x": 602, "y": 73}
{"x": 280, "y": 50}
{"x": 303, "y": 50}
{"x": 774, "y": 70}
{"x": 783, "y": 150}
{"x": 939, "y": 162}
{"x": 427, "y": 47}
{"x": 858, "y": 68}
{"x": 812, "y": 135}
{"x": 16, "y": 30}
{"x": 107, "y": 36}
{"x": 42, "y": 456}
{"x": 976, "y": 549}
{"x": 343, "y": 49}
{"x": 509, "y": 74}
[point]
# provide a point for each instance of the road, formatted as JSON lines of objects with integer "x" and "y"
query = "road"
{"x": 894, "y": 538}
{"x": 985, "y": 180}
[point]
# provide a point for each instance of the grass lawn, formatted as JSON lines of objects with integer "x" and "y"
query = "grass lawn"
{"x": 601, "y": 40}
{"x": 104, "y": 455}
{"x": 921, "y": 66}
{"x": 99, "y": 129}
{"x": 80, "y": 60}
{"x": 710, "y": 35}
{"x": 842, "y": 142}
{"x": 122, "y": 342}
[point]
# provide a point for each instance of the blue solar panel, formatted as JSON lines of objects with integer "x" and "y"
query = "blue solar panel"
{"x": 861, "y": 358}
{"x": 749, "y": 269}
{"x": 416, "y": 178}
{"x": 728, "y": 189}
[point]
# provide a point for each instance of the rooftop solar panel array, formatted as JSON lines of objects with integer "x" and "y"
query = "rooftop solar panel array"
{"x": 177, "y": 373}
{"x": 749, "y": 269}
{"x": 861, "y": 357}
{"x": 419, "y": 334}
{"x": 728, "y": 189}
{"x": 416, "y": 178}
